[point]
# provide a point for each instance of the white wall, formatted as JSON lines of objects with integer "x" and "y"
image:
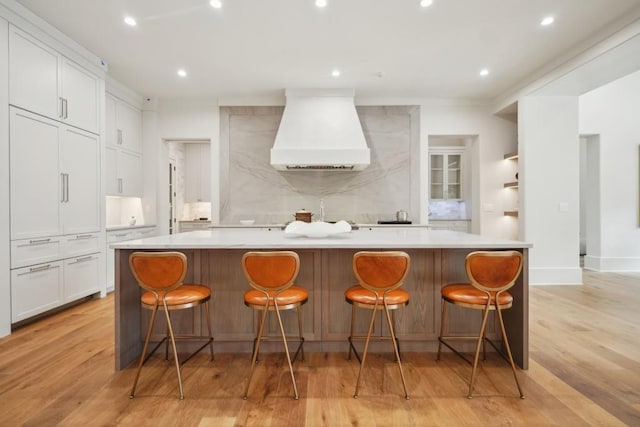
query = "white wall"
{"x": 496, "y": 137}
{"x": 548, "y": 187}
{"x": 174, "y": 120}
{"x": 612, "y": 113}
{"x": 5, "y": 282}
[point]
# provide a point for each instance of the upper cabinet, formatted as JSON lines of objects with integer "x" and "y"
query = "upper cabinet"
{"x": 445, "y": 173}
{"x": 124, "y": 124}
{"x": 123, "y": 149}
{"x": 198, "y": 172}
{"x": 45, "y": 82}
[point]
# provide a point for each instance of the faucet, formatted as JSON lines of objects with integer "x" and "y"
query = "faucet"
{"x": 321, "y": 209}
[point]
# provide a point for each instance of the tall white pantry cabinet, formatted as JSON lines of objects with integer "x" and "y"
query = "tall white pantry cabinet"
{"x": 55, "y": 177}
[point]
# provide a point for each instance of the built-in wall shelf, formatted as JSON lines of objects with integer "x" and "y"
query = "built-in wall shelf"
{"x": 513, "y": 184}
{"x": 511, "y": 213}
{"x": 511, "y": 156}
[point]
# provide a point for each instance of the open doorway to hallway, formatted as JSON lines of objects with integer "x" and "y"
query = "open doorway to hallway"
{"x": 589, "y": 198}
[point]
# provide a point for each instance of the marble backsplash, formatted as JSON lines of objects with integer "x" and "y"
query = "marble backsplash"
{"x": 252, "y": 189}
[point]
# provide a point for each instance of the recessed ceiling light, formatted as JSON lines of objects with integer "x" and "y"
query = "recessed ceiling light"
{"x": 484, "y": 72}
{"x": 547, "y": 21}
{"x": 426, "y": 3}
{"x": 129, "y": 20}
{"x": 321, "y": 3}
{"x": 335, "y": 73}
{"x": 216, "y": 4}
{"x": 182, "y": 73}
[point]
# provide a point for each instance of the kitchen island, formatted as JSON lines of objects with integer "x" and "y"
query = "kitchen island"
{"x": 437, "y": 258}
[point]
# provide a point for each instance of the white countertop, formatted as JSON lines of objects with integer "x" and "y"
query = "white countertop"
{"x": 376, "y": 238}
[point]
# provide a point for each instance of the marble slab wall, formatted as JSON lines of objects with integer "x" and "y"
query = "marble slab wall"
{"x": 252, "y": 189}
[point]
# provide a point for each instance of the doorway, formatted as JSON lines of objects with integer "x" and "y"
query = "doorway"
{"x": 589, "y": 200}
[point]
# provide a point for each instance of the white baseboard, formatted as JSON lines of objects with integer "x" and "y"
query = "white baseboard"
{"x": 611, "y": 264}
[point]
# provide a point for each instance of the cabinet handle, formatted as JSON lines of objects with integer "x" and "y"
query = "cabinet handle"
{"x": 67, "y": 187}
{"x": 83, "y": 259}
{"x": 61, "y": 114}
{"x": 62, "y": 180}
{"x": 65, "y": 105}
{"x": 120, "y": 235}
{"x": 119, "y": 136}
{"x": 37, "y": 242}
{"x": 36, "y": 269}
{"x": 83, "y": 236}
{"x": 119, "y": 185}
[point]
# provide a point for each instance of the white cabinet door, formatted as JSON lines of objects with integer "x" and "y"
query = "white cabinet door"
{"x": 197, "y": 173}
{"x": 81, "y": 277}
{"x": 36, "y": 184}
{"x": 79, "y": 90}
{"x": 128, "y": 127}
{"x": 111, "y": 173}
{"x": 35, "y": 290}
{"x": 123, "y": 173}
{"x": 110, "y": 119}
{"x": 80, "y": 167}
{"x": 130, "y": 173}
{"x": 33, "y": 75}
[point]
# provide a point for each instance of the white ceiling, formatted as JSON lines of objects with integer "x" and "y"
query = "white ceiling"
{"x": 384, "y": 48}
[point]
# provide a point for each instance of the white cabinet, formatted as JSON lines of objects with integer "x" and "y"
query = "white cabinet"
{"x": 197, "y": 172}
{"x": 124, "y": 124}
{"x": 35, "y": 290}
{"x": 43, "y": 81}
{"x": 124, "y": 173}
{"x": 54, "y": 173}
{"x": 123, "y": 149}
{"x": 114, "y": 236}
{"x": 445, "y": 173}
{"x": 81, "y": 277}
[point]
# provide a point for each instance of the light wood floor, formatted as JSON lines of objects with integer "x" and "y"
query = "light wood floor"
{"x": 584, "y": 370}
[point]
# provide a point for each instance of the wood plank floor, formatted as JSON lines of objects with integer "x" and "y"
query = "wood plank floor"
{"x": 584, "y": 370}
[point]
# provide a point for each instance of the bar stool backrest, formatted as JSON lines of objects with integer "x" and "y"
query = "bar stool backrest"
{"x": 493, "y": 271}
{"x": 271, "y": 271}
{"x": 381, "y": 271}
{"x": 158, "y": 271}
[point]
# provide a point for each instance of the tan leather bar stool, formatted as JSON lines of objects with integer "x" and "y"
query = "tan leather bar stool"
{"x": 380, "y": 276}
{"x": 491, "y": 274}
{"x": 161, "y": 274}
{"x": 271, "y": 276}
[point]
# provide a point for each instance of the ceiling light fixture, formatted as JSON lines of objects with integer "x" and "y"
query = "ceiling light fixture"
{"x": 216, "y": 4}
{"x": 129, "y": 20}
{"x": 182, "y": 73}
{"x": 547, "y": 21}
{"x": 335, "y": 73}
{"x": 484, "y": 72}
{"x": 426, "y": 3}
{"x": 321, "y": 3}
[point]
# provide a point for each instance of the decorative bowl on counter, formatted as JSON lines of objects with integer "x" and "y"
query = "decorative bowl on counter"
{"x": 247, "y": 221}
{"x": 317, "y": 229}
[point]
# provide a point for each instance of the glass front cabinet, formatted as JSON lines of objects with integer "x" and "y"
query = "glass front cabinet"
{"x": 445, "y": 176}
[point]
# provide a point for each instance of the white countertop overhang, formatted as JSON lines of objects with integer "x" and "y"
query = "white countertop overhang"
{"x": 238, "y": 238}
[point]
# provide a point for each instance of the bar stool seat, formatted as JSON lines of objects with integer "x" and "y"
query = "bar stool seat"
{"x": 294, "y": 295}
{"x": 358, "y": 294}
{"x": 464, "y": 294}
{"x": 185, "y": 296}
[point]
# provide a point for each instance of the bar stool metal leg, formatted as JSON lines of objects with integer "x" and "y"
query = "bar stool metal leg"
{"x": 396, "y": 350}
{"x": 256, "y": 348}
{"x": 366, "y": 347}
{"x": 144, "y": 353}
{"x": 505, "y": 341}
{"x": 286, "y": 350}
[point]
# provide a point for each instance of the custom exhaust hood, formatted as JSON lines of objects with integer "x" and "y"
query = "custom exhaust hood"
{"x": 320, "y": 130}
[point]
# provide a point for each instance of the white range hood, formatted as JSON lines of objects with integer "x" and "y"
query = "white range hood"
{"x": 320, "y": 130}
